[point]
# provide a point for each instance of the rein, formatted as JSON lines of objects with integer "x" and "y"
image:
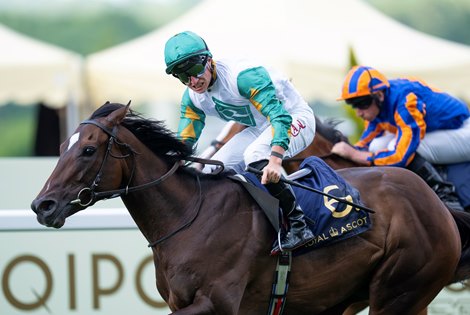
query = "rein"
{"x": 127, "y": 189}
{"x": 292, "y": 160}
{"x": 118, "y": 192}
{"x": 196, "y": 213}
{"x": 220, "y": 164}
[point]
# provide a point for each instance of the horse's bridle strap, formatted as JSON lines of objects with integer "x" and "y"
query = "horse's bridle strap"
{"x": 126, "y": 190}
{"x": 118, "y": 192}
{"x": 111, "y": 133}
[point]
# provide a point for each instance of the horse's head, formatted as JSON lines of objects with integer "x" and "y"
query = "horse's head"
{"x": 87, "y": 164}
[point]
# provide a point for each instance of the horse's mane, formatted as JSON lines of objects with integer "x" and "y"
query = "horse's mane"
{"x": 329, "y": 131}
{"x": 153, "y": 133}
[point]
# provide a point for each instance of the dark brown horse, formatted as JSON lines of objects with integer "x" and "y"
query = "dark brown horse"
{"x": 211, "y": 241}
{"x": 326, "y": 136}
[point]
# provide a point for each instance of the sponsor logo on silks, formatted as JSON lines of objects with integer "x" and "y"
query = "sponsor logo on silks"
{"x": 238, "y": 113}
{"x": 296, "y": 127}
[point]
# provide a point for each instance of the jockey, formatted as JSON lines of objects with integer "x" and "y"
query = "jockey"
{"x": 279, "y": 122}
{"x": 407, "y": 124}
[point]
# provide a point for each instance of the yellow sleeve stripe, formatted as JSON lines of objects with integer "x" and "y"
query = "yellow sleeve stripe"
{"x": 188, "y": 132}
{"x": 257, "y": 105}
{"x": 190, "y": 114}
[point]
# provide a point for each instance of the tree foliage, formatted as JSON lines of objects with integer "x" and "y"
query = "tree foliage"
{"x": 87, "y": 29}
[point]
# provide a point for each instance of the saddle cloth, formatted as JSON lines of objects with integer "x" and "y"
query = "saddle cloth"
{"x": 459, "y": 175}
{"x": 328, "y": 219}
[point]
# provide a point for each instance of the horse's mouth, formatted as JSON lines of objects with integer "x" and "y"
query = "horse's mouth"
{"x": 52, "y": 215}
{"x": 51, "y": 221}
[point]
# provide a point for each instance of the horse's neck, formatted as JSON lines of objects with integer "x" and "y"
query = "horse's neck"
{"x": 337, "y": 162}
{"x": 162, "y": 205}
{"x": 321, "y": 147}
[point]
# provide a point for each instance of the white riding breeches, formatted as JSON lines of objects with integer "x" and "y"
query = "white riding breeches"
{"x": 438, "y": 147}
{"x": 253, "y": 143}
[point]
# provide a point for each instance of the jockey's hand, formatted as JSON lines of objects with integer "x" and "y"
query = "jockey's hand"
{"x": 347, "y": 151}
{"x": 272, "y": 171}
{"x": 343, "y": 149}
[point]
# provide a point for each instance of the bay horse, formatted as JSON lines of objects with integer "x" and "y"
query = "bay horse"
{"x": 211, "y": 241}
{"x": 325, "y": 137}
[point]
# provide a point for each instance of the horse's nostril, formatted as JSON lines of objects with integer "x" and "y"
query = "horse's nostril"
{"x": 43, "y": 206}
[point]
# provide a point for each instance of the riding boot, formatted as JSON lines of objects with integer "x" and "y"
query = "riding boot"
{"x": 444, "y": 190}
{"x": 299, "y": 234}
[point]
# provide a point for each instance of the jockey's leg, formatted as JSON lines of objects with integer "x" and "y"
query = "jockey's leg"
{"x": 445, "y": 190}
{"x": 446, "y": 146}
{"x": 231, "y": 153}
{"x": 299, "y": 234}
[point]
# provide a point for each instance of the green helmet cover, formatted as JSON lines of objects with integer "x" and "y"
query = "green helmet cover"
{"x": 183, "y": 46}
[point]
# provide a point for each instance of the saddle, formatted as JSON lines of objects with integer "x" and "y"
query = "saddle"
{"x": 459, "y": 175}
{"x": 329, "y": 219}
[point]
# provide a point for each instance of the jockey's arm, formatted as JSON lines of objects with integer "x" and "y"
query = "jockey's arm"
{"x": 349, "y": 152}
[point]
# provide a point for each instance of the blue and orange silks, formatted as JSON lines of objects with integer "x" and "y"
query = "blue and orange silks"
{"x": 410, "y": 109}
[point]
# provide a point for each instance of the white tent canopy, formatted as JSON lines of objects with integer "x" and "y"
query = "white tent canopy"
{"x": 309, "y": 40}
{"x": 32, "y": 71}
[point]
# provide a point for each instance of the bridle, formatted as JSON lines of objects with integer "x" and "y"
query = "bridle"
{"x": 94, "y": 195}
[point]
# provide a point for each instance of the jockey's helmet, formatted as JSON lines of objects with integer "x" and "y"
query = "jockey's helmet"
{"x": 362, "y": 81}
{"x": 181, "y": 47}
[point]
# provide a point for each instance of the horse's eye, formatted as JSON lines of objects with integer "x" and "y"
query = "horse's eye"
{"x": 88, "y": 151}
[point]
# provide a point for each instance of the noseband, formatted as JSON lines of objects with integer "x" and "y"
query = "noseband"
{"x": 95, "y": 196}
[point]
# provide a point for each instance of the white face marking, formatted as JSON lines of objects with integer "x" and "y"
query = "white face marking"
{"x": 73, "y": 140}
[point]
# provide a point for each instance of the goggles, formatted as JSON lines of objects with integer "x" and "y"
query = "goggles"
{"x": 363, "y": 102}
{"x": 192, "y": 67}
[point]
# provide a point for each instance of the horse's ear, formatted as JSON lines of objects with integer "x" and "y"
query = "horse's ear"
{"x": 127, "y": 106}
{"x": 118, "y": 115}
